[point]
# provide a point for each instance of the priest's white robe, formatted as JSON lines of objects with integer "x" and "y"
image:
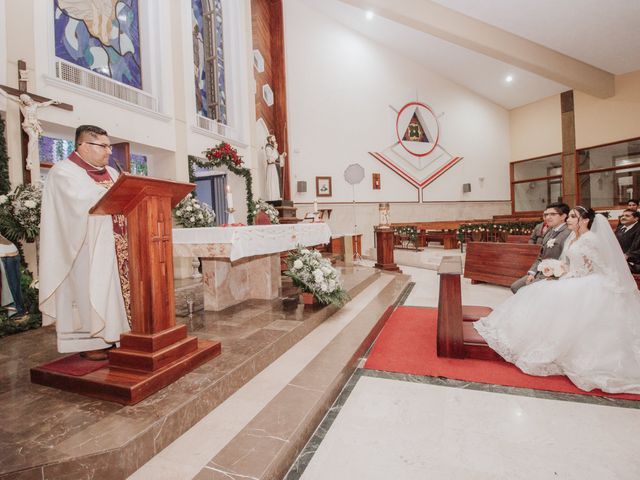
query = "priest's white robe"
{"x": 79, "y": 280}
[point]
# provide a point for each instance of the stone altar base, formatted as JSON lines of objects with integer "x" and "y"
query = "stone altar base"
{"x": 230, "y": 283}
{"x": 51, "y": 434}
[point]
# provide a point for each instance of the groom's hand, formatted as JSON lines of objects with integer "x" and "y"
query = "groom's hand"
{"x": 530, "y": 278}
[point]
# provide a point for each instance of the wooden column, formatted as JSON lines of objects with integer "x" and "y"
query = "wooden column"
{"x": 569, "y": 174}
{"x": 384, "y": 243}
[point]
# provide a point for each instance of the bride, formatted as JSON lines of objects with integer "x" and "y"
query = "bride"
{"x": 586, "y": 325}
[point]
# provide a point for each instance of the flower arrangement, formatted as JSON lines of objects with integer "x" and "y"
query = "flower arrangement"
{"x": 314, "y": 274}
{"x": 551, "y": 268}
{"x": 190, "y": 213}
{"x": 493, "y": 230}
{"x": 408, "y": 230}
{"x": 262, "y": 206}
{"x": 224, "y": 155}
{"x": 20, "y": 212}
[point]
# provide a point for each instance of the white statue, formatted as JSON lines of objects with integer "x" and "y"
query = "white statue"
{"x": 272, "y": 189}
{"x": 31, "y": 125}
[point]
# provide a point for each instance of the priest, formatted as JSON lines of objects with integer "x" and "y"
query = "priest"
{"x": 84, "y": 286}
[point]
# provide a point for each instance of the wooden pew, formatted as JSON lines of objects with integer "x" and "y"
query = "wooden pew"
{"x": 456, "y": 337}
{"x": 498, "y": 263}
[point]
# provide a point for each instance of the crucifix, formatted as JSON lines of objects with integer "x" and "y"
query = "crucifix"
{"x": 29, "y": 103}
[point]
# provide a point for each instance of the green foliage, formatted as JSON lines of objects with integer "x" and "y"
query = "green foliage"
{"x": 495, "y": 229}
{"x": 224, "y": 155}
{"x": 411, "y": 232}
{"x": 5, "y": 185}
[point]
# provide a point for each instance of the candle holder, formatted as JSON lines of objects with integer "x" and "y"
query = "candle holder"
{"x": 230, "y": 218}
{"x": 195, "y": 264}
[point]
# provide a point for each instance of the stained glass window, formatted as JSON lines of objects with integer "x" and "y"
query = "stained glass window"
{"x": 53, "y": 150}
{"x": 101, "y": 35}
{"x": 139, "y": 165}
{"x": 208, "y": 55}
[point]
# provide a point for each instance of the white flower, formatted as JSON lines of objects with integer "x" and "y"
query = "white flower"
{"x": 193, "y": 219}
{"x": 200, "y": 216}
{"x": 550, "y": 267}
{"x": 189, "y": 208}
{"x": 551, "y": 242}
{"x": 30, "y": 204}
{"x": 178, "y": 213}
{"x": 3, "y": 199}
{"x": 297, "y": 264}
{"x": 304, "y": 251}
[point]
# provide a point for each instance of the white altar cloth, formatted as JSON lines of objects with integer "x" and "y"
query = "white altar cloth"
{"x": 241, "y": 242}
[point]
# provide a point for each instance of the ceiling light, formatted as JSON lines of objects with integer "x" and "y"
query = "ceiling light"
{"x": 369, "y": 15}
{"x": 509, "y": 79}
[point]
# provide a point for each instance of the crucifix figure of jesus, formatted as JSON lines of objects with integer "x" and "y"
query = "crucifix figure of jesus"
{"x": 29, "y": 104}
{"x": 31, "y": 125}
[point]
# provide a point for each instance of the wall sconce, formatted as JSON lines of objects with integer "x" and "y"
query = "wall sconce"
{"x": 385, "y": 215}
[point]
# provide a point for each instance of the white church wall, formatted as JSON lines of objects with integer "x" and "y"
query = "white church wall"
{"x": 339, "y": 89}
{"x": 3, "y": 51}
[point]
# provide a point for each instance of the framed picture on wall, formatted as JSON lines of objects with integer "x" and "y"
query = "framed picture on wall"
{"x": 375, "y": 179}
{"x": 323, "y": 186}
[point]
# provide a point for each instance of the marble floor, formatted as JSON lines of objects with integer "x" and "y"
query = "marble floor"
{"x": 387, "y": 425}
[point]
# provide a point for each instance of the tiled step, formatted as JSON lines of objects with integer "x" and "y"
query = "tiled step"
{"x": 277, "y": 434}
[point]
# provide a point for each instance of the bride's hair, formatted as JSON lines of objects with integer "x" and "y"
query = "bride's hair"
{"x": 587, "y": 213}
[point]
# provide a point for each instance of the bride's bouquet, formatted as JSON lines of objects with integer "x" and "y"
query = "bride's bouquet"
{"x": 551, "y": 268}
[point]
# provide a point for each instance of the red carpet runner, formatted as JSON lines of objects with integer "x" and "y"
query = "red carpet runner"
{"x": 74, "y": 365}
{"x": 407, "y": 344}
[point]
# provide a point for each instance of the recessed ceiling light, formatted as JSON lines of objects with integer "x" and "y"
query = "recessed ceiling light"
{"x": 509, "y": 79}
{"x": 369, "y": 15}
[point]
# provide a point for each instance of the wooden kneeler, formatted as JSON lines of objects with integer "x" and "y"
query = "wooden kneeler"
{"x": 456, "y": 336}
{"x": 157, "y": 351}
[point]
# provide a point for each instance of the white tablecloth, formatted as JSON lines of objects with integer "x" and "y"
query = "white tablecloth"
{"x": 253, "y": 240}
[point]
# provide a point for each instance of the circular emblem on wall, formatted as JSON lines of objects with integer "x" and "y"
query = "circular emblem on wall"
{"x": 417, "y": 129}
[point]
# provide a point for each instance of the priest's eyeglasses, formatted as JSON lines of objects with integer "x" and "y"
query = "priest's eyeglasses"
{"x": 103, "y": 145}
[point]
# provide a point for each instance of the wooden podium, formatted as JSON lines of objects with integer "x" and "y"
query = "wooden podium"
{"x": 157, "y": 351}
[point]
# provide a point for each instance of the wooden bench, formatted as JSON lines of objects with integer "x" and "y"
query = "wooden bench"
{"x": 498, "y": 263}
{"x": 518, "y": 238}
{"x": 456, "y": 337}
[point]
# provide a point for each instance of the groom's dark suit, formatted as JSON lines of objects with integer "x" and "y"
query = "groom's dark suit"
{"x": 629, "y": 239}
{"x": 552, "y": 245}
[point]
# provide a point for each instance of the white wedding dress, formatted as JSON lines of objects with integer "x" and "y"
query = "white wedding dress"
{"x": 586, "y": 325}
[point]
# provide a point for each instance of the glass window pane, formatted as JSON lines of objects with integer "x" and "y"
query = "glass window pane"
{"x": 535, "y": 196}
{"x": 539, "y": 167}
{"x": 609, "y": 188}
{"x": 609, "y": 155}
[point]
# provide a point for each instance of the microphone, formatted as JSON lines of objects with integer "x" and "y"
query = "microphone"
{"x": 120, "y": 169}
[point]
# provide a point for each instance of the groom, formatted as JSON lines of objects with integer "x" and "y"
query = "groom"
{"x": 555, "y": 216}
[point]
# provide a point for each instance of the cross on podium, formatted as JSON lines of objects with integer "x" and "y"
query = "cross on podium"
{"x": 22, "y": 89}
{"x": 161, "y": 238}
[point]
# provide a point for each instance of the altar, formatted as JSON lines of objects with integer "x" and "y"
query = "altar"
{"x": 242, "y": 263}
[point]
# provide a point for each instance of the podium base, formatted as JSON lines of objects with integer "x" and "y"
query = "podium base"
{"x": 124, "y": 385}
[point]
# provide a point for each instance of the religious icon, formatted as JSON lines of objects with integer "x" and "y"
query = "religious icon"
{"x": 323, "y": 187}
{"x": 275, "y": 163}
{"x": 31, "y": 125}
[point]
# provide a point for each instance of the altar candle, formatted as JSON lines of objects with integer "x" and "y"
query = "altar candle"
{"x": 229, "y": 197}
{"x": 315, "y": 206}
